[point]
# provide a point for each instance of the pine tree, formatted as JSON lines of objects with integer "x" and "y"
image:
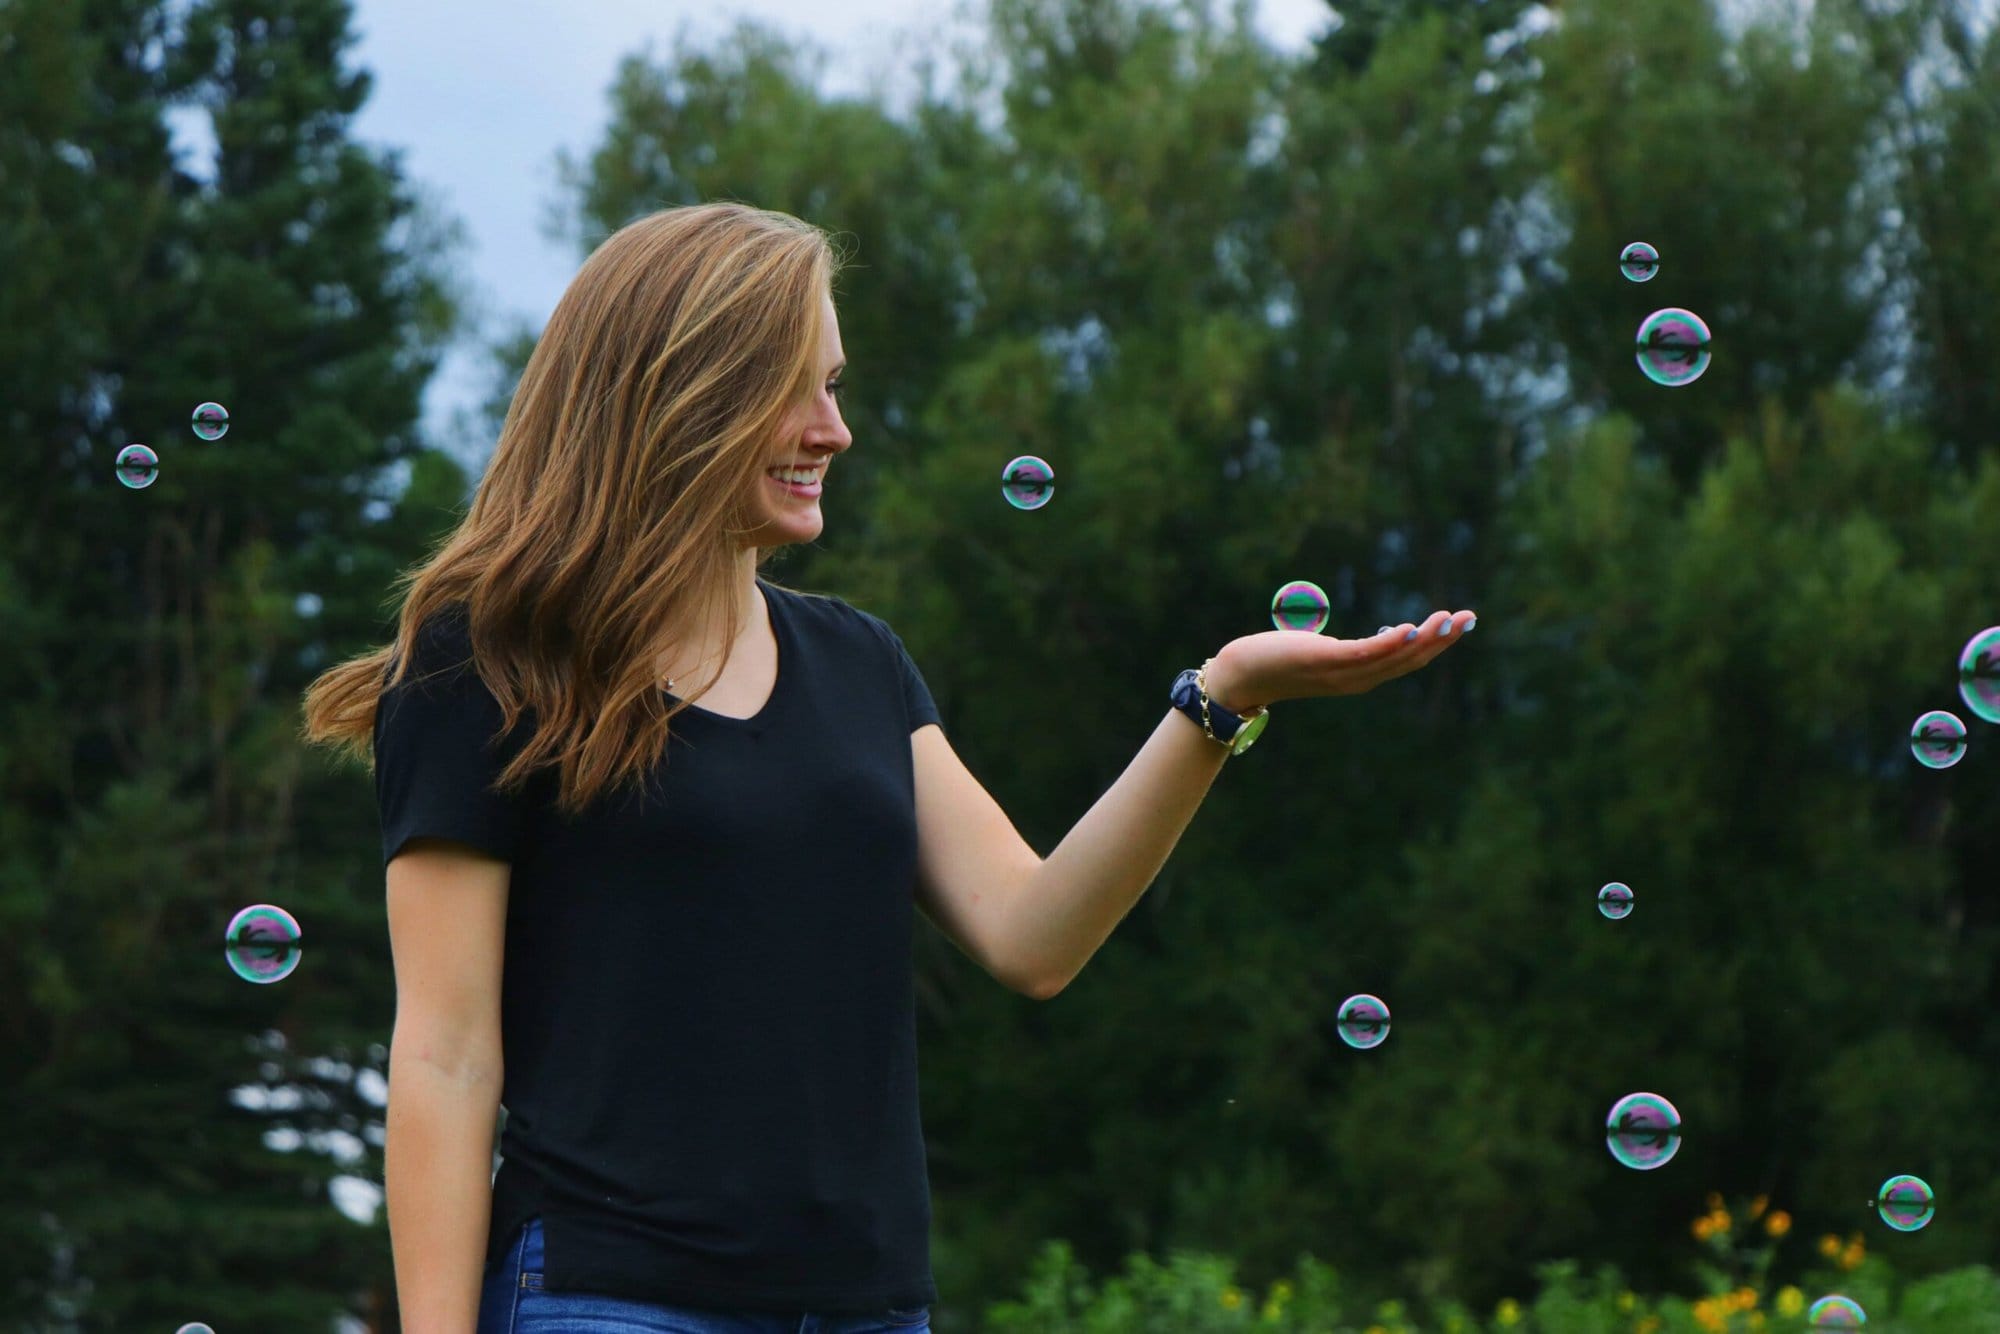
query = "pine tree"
{"x": 157, "y": 653}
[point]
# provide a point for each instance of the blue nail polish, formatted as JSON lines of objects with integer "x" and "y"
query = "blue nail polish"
{"x": 1410, "y": 636}
{"x": 1444, "y": 629}
{"x": 1469, "y": 624}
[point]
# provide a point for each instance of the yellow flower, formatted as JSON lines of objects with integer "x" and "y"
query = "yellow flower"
{"x": 1508, "y": 1312}
{"x": 1744, "y": 1298}
{"x": 1281, "y": 1291}
{"x": 1231, "y": 1298}
{"x": 1850, "y": 1259}
{"x": 1721, "y": 1217}
{"x": 1790, "y": 1301}
{"x": 1626, "y": 1301}
{"x": 1779, "y": 1223}
{"x": 1647, "y": 1326}
{"x": 1757, "y": 1207}
{"x": 1710, "y": 1318}
{"x": 1703, "y": 1229}
{"x": 1829, "y": 1245}
{"x": 1714, "y": 1201}
{"x": 1756, "y": 1320}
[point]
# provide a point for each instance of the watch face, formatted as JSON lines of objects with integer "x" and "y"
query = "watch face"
{"x": 1251, "y": 731}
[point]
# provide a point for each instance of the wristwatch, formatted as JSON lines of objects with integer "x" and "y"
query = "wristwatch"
{"x": 1190, "y": 696}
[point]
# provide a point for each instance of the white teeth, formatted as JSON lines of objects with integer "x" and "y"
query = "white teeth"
{"x": 796, "y": 476}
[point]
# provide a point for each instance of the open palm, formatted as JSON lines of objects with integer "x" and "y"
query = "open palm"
{"x": 1290, "y": 664}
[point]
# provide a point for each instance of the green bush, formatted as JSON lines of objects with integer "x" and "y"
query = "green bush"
{"x": 1196, "y": 1294}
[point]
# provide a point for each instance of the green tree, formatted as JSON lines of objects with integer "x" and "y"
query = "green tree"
{"x": 152, "y": 785}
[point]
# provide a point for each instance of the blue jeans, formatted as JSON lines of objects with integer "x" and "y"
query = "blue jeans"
{"x": 513, "y": 1302}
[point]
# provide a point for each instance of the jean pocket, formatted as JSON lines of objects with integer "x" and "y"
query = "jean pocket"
{"x": 908, "y": 1317}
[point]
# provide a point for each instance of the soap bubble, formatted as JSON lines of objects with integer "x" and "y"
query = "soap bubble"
{"x": 1300, "y": 606}
{"x": 1364, "y": 1022}
{"x": 138, "y": 467}
{"x": 1938, "y": 739}
{"x": 1643, "y": 1131}
{"x": 211, "y": 421}
{"x": 196, "y": 1328}
{"x": 1905, "y": 1203}
{"x": 1639, "y": 261}
{"x": 1673, "y": 347}
{"x": 1835, "y": 1313}
{"x": 263, "y": 943}
{"x": 1027, "y": 483}
{"x": 1979, "y": 674}
{"x": 1615, "y": 900}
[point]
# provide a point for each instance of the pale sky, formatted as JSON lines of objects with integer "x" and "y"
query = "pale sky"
{"x": 481, "y": 95}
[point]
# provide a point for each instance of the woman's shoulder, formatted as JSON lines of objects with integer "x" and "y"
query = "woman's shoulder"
{"x": 831, "y": 611}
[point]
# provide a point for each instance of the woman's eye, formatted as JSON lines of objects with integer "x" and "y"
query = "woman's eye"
{"x": 834, "y": 388}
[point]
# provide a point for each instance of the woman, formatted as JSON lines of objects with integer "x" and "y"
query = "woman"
{"x": 681, "y": 955}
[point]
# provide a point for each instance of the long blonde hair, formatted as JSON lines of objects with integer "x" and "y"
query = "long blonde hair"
{"x": 606, "y": 527}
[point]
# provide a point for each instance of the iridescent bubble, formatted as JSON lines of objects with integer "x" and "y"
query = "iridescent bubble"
{"x": 1300, "y": 606}
{"x": 1643, "y": 1131}
{"x": 196, "y": 1328}
{"x": 1639, "y": 261}
{"x": 1673, "y": 347}
{"x": 262, "y": 943}
{"x": 1027, "y": 483}
{"x": 1835, "y": 1313}
{"x": 1979, "y": 674}
{"x": 211, "y": 421}
{"x": 1938, "y": 739}
{"x": 1364, "y": 1021}
{"x": 1615, "y": 900}
{"x": 138, "y": 467}
{"x": 1905, "y": 1203}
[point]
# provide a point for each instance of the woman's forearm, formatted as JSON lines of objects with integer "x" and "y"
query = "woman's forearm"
{"x": 1082, "y": 890}
{"x": 438, "y": 1180}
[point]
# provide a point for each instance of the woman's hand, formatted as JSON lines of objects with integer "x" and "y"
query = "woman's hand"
{"x": 1291, "y": 664}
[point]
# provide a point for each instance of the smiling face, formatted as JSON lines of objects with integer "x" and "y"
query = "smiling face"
{"x": 810, "y": 438}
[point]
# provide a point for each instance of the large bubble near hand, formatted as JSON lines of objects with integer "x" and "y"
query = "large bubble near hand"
{"x": 1673, "y": 347}
{"x": 1300, "y": 605}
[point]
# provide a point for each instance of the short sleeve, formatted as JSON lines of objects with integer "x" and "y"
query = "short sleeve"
{"x": 917, "y": 701}
{"x": 437, "y": 750}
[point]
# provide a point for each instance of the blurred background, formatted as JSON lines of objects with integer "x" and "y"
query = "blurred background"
{"x": 1281, "y": 291}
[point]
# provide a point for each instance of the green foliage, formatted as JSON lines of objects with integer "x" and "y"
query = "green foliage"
{"x": 1195, "y": 1293}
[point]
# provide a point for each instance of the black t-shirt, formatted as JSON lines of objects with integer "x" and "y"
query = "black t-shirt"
{"x": 707, "y": 1012}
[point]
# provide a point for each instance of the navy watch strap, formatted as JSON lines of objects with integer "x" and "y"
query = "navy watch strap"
{"x": 1186, "y": 697}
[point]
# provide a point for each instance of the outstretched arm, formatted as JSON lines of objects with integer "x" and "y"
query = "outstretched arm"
{"x": 1034, "y": 922}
